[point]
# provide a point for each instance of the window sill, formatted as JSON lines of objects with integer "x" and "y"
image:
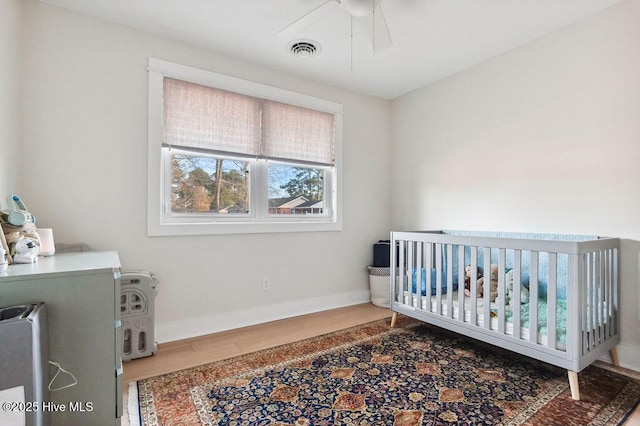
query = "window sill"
{"x": 222, "y": 228}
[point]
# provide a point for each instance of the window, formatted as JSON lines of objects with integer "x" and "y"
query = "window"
{"x": 232, "y": 156}
{"x": 206, "y": 185}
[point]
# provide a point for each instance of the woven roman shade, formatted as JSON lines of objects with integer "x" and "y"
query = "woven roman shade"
{"x": 207, "y": 119}
{"x": 296, "y": 133}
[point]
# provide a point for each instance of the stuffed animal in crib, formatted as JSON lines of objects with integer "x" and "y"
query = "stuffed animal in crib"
{"x": 26, "y": 251}
{"x": 509, "y": 297}
{"x": 493, "y": 283}
{"x": 467, "y": 279}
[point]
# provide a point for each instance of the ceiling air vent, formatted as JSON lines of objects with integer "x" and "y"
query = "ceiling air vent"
{"x": 304, "y": 48}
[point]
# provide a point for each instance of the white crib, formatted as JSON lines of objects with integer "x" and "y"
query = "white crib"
{"x": 569, "y": 318}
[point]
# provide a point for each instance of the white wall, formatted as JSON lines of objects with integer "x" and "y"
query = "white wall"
{"x": 545, "y": 138}
{"x": 85, "y": 125}
{"x": 10, "y": 15}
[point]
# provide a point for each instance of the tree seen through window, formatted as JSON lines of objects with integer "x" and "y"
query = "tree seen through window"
{"x": 203, "y": 184}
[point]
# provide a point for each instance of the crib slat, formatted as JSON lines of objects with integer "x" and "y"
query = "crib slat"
{"x": 402, "y": 273}
{"x": 574, "y": 303}
{"x": 613, "y": 293}
{"x": 552, "y": 300}
{"x": 429, "y": 253}
{"x": 585, "y": 306}
{"x": 607, "y": 294}
{"x": 393, "y": 295}
{"x": 399, "y": 272}
{"x": 596, "y": 299}
{"x": 607, "y": 299}
{"x": 410, "y": 269}
{"x": 474, "y": 285}
{"x": 603, "y": 295}
{"x": 593, "y": 299}
{"x": 601, "y": 290}
{"x": 517, "y": 296}
{"x": 609, "y": 313}
{"x": 418, "y": 268}
{"x": 449, "y": 251}
{"x": 600, "y": 297}
{"x": 438, "y": 265}
{"x": 591, "y": 307}
{"x": 487, "y": 289}
{"x": 461, "y": 283}
{"x": 533, "y": 292}
{"x": 614, "y": 298}
{"x": 409, "y": 266}
{"x": 594, "y": 302}
{"x": 502, "y": 261}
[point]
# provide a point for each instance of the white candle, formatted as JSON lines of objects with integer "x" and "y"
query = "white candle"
{"x": 48, "y": 247}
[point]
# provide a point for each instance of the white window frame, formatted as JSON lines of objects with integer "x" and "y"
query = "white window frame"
{"x": 158, "y": 224}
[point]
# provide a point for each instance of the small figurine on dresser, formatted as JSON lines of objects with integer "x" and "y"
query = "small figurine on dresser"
{"x": 26, "y": 251}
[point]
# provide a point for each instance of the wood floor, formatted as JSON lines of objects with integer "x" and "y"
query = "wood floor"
{"x": 187, "y": 353}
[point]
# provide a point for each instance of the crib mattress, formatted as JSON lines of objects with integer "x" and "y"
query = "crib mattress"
{"x": 524, "y": 329}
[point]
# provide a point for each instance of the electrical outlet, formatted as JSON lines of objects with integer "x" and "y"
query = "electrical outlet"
{"x": 266, "y": 283}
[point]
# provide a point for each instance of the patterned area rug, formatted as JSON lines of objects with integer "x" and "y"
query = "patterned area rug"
{"x": 413, "y": 374}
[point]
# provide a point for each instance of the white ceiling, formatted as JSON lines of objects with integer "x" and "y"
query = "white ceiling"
{"x": 432, "y": 39}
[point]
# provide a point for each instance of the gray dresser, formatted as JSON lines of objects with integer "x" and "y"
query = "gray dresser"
{"x": 81, "y": 292}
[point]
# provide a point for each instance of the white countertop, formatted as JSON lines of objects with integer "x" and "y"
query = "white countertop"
{"x": 65, "y": 263}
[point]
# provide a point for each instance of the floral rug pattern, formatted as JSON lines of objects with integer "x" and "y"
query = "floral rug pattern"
{"x": 413, "y": 374}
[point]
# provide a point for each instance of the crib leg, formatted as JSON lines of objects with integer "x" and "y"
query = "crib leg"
{"x": 573, "y": 384}
{"x": 614, "y": 357}
{"x": 394, "y": 318}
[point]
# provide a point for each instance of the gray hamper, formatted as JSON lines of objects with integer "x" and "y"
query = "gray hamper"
{"x": 137, "y": 313}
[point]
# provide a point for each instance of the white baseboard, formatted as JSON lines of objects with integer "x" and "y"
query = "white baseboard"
{"x": 217, "y": 322}
{"x": 628, "y": 356}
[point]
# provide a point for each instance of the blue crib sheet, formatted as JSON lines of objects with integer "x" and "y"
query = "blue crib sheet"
{"x": 543, "y": 258}
{"x": 434, "y": 282}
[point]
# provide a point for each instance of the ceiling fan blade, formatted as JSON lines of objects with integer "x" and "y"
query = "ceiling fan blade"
{"x": 378, "y": 30}
{"x": 305, "y": 20}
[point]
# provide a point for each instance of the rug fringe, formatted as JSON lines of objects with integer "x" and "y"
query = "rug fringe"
{"x": 133, "y": 405}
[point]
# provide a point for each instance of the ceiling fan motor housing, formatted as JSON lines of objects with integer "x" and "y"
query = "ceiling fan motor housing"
{"x": 360, "y": 8}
